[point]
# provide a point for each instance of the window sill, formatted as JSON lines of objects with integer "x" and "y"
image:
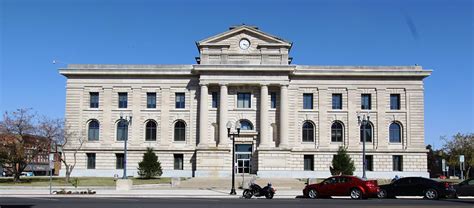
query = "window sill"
{"x": 244, "y": 109}
{"x": 151, "y": 110}
{"x": 93, "y": 109}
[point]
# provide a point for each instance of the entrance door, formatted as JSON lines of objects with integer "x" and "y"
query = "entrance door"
{"x": 243, "y": 154}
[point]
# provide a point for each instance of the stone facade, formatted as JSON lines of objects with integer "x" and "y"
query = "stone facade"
{"x": 247, "y": 60}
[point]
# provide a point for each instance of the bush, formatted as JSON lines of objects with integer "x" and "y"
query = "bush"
{"x": 342, "y": 163}
{"x": 149, "y": 167}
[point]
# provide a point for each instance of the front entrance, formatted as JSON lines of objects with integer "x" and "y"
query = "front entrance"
{"x": 243, "y": 155}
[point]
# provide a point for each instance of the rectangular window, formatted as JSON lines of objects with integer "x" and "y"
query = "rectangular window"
{"x": 309, "y": 162}
{"x": 94, "y": 100}
{"x": 273, "y": 99}
{"x": 243, "y": 100}
{"x": 123, "y": 100}
{"x": 394, "y": 101}
{"x": 180, "y": 100}
{"x": 90, "y": 160}
{"x": 369, "y": 162}
{"x": 337, "y": 101}
{"x": 215, "y": 100}
{"x": 178, "y": 161}
{"x": 308, "y": 101}
{"x": 150, "y": 100}
{"x": 397, "y": 162}
{"x": 366, "y": 102}
{"x": 119, "y": 159}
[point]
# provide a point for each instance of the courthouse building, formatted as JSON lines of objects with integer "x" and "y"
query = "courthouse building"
{"x": 293, "y": 117}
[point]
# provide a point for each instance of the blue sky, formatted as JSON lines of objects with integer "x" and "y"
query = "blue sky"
{"x": 433, "y": 33}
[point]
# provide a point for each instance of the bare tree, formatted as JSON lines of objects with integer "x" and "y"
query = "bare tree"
{"x": 19, "y": 144}
{"x": 72, "y": 141}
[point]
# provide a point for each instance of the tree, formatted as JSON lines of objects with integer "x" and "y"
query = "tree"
{"x": 460, "y": 144}
{"x": 342, "y": 163}
{"x": 20, "y": 142}
{"x": 434, "y": 162}
{"x": 149, "y": 167}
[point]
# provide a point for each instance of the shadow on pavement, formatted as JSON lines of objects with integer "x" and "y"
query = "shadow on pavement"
{"x": 16, "y": 206}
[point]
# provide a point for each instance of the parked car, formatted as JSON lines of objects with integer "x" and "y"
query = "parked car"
{"x": 416, "y": 186}
{"x": 465, "y": 188}
{"x": 356, "y": 188}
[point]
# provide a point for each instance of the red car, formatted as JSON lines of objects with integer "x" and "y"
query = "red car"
{"x": 352, "y": 186}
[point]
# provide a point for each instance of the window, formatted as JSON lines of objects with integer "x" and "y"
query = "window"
{"x": 119, "y": 160}
{"x": 309, "y": 162}
{"x": 178, "y": 161}
{"x": 366, "y": 102}
{"x": 151, "y": 100}
{"x": 246, "y": 125}
{"x": 369, "y": 162}
{"x": 395, "y": 133}
{"x": 337, "y": 101}
{"x": 123, "y": 99}
{"x": 180, "y": 100}
{"x": 397, "y": 162}
{"x": 215, "y": 100}
{"x": 243, "y": 100}
{"x": 179, "y": 131}
{"x": 308, "y": 101}
{"x": 336, "y": 132}
{"x": 90, "y": 160}
{"x": 308, "y": 132}
{"x": 150, "y": 131}
{"x": 94, "y": 100}
{"x": 93, "y": 130}
{"x": 273, "y": 98}
{"x": 367, "y": 133}
{"x": 122, "y": 130}
{"x": 394, "y": 101}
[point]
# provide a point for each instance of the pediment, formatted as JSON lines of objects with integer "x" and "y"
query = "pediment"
{"x": 244, "y": 31}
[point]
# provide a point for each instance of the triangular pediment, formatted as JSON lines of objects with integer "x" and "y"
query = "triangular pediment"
{"x": 242, "y": 31}
{"x": 244, "y": 45}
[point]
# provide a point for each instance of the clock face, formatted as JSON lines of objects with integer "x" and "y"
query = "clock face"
{"x": 244, "y": 44}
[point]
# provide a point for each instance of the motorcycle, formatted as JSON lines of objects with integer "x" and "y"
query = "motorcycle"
{"x": 255, "y": 190}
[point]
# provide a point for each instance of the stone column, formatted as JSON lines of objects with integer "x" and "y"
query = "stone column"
{"x": 264, "y": 139}
{"x": 283, "y": 116}
{"x": 223, "y": 139}
{"x": 203, "y": 110}
{"x": 165, "y": 138}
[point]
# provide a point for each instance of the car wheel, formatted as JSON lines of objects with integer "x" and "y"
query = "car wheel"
{"x": 356, "y": 193}
{"x": 431, "y": 194}
{"x": 269, "y": 195}
{"x": 382, "y": 194}
{"x": 313, "y": 194}
{"x": 247, "y": 194}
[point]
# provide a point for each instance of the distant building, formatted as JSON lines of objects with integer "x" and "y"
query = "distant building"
{"x": 293, "y": 117}
{"x": 37, "y": 154}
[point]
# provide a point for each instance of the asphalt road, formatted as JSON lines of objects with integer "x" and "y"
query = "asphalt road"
{"x": 216, "y": 202}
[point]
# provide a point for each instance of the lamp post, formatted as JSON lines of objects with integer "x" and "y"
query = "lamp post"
{"x": 127, "y": 121}
{"x": 364, "y": 121}
{"x": 232, "y": 136}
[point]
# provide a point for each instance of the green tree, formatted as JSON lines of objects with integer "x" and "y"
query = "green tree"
{"x": 342, "y": 163}
{"x": 149, "y": 167}
{"x": 460, "y": 144}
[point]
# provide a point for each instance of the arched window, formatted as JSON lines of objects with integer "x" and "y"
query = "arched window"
{"x": 150, "y": 131}
{"x": 122, "y": 131}
{"x": 179, "y": 131}
{"x": 337, "y": 132}
{"x": 368, "y": 132}
{"x": 395, "y": 133}
{"x": 246, "y": 125}
{"x": 308, "y": 132}
{"x": 93, "y": 130}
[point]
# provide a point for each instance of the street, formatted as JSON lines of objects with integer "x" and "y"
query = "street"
{"x": 216, "y": 202}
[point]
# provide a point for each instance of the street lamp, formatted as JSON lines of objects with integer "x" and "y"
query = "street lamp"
{"x": 232, "y": 136}
{"x": 126, "y": 122}
{"x": 364, "y": 121}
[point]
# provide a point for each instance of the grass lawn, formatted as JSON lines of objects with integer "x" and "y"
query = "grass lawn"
{"x": 82, "y": 181}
